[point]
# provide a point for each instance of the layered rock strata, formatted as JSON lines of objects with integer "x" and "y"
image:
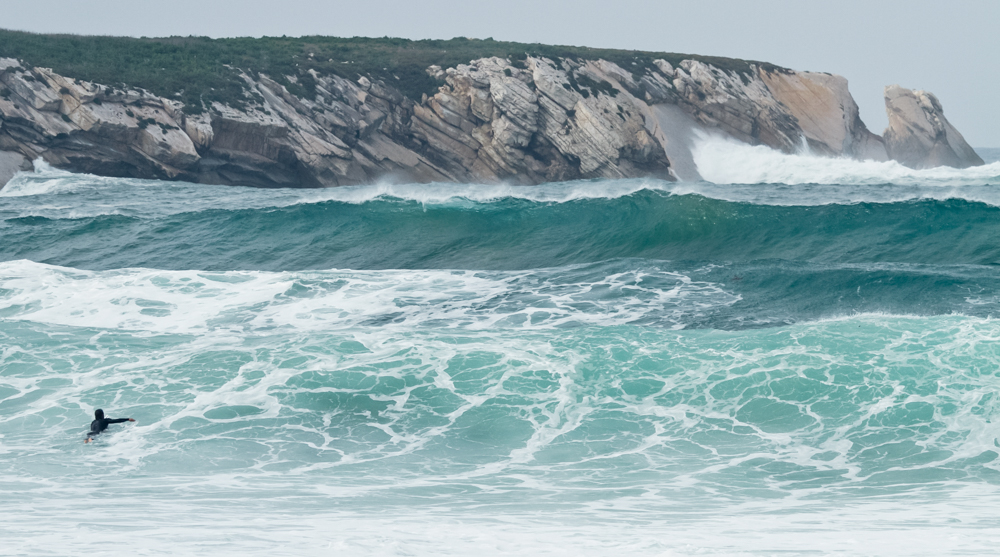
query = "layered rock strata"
{"x": 826, "y": 113}
{"x": 528, "y": 121}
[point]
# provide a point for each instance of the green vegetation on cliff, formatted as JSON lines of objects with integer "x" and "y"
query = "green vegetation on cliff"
{"x": 199, "y": 70}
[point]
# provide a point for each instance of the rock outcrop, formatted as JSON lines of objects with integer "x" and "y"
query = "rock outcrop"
{"x": 493, "y": 119}
{"x": 10, "y": 164}
{"x": 919, "y": 136}
{"x": 826, "y": 113}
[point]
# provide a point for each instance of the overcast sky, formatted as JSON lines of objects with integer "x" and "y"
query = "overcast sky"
{"x": 949, "y": 48}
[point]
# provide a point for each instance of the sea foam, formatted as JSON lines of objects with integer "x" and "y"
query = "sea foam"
{"x": 247, "y": 301}
{"x": 727, "y": 161}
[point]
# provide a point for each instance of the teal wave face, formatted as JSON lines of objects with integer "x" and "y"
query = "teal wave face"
{"x": 781, "y": 263}
{"x": 512, "y": 234}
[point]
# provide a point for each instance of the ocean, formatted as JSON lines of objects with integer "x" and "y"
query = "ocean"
{"x": 797, "y": 356}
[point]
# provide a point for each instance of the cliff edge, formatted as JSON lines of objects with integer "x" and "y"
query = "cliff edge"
{"x": 520, "y": 119}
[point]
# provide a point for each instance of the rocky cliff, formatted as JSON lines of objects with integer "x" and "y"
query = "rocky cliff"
{"x": 919, "y": 135}
{"x": 525, "y": 121}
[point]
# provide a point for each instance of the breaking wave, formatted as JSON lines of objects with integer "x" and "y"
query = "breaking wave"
{"x": 727, "y": 161}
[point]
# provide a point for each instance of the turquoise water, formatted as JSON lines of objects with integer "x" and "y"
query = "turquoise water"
{"x": 591, "y": 368}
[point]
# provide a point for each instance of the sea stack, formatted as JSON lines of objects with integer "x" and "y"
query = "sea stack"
{"x": 919, "y": 136}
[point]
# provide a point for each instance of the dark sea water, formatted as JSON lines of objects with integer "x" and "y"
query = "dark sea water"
{"x": 798, "y": 356}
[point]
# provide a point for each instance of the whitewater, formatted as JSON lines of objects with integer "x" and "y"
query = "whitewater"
{"x": 797, "y": 355}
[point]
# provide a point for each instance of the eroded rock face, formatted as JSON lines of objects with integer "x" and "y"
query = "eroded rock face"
{"x": 529, "y": 121}
{"x": 825, "y": 112}
{"x": 11, "y": 163}
{"x": 740, "y": 106}
{"x": 341, "y": 137}
{"x": 919, "y": 136}
{"x": 491, "y": 120}
{"x": 783, "y": 109}
{"x": 530, "y": 124}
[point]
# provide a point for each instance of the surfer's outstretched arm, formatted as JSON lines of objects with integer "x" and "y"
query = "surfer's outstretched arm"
{"x": 101, "y": 423}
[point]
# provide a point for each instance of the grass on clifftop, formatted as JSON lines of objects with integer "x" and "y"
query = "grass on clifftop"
{"x": 197, "y": 70}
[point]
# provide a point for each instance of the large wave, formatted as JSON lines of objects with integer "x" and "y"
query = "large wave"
{"x": 508, "y": 234}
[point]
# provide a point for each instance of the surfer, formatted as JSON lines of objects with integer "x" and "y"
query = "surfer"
{"x": 101, "y": 423}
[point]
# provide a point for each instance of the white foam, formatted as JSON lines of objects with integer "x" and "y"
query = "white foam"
{"x": 54, "y": 191}
{"x": 196, "y": 301}
{"x": 44, "y": 180}
{"x": 917, "y": 526}
{"x": 735, "y": 172}
{"x": 721, "y": 161}
{"x": 440, "y": 193}
{"x": 596, "y": 469}
{"x": 727, "y": 161}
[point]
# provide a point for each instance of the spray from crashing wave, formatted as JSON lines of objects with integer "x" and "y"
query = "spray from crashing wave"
{"x": 727, "y": 161}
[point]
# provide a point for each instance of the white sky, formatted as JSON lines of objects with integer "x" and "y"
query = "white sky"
{"x": 949, "y": 48}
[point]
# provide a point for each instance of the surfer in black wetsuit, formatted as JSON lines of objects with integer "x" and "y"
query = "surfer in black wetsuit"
{"x": 101, "y": 423}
